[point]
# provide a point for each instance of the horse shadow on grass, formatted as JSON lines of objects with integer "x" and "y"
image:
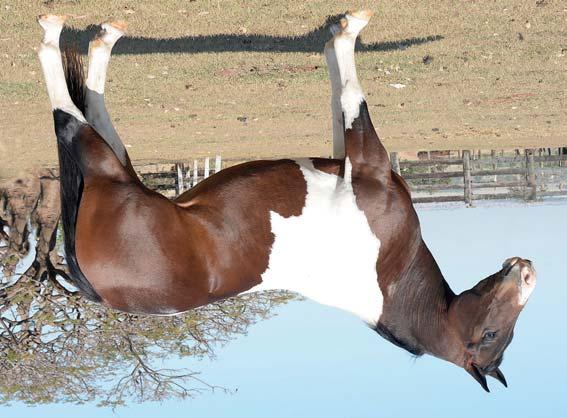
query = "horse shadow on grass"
{"x": 312, "y": 41}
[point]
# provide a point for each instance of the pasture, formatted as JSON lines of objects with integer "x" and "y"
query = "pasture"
{"x": 247, "y": 79}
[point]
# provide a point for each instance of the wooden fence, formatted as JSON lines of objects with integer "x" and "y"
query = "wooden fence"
{"x": 442, "y": 176}
{"x": 174, "y": 178}
{"x": 453, "y": 176}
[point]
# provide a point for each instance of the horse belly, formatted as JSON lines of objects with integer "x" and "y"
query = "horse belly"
{"x": 329, "y": 252}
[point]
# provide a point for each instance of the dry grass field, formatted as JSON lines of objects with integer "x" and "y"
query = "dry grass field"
{"x": 247, "y": 79}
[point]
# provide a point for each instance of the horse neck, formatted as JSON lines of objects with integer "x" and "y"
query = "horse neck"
{"x": 416, "y": 314}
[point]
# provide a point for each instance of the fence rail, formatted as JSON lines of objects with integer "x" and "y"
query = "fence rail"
{"x": 451, "y": 176}
{"x": 175, "y": 178}
{"x": 526, "y": 174}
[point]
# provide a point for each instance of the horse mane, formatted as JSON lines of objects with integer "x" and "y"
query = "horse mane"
{"x": 385, "y": 333}
{"x": 70, "y": 176}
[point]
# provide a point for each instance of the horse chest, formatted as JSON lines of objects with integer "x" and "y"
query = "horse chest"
{"x": 329, "y": 252}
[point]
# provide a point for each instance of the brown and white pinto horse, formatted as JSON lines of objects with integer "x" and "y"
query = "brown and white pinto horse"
{"x": 341, "y": 231}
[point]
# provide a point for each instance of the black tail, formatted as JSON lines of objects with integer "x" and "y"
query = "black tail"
{"x": 71, "y": 180}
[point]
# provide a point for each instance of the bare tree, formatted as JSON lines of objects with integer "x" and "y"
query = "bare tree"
{"x": 58, "y": 347}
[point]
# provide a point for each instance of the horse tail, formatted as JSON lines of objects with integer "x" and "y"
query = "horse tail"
{"x": 75, "y": 77}
{"x": 67, "y": 128}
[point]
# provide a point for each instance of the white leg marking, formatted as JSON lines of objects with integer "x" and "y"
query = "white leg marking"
{"x": 52, "y": 66}
{"x": 99, "y": 57}
{"x": 329, "y": 252}
{"x": 336, "y": 108}
{"x": 99, "y": 54}
{"x": 344, "y": 40}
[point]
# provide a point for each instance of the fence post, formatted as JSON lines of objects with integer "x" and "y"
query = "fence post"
{"x": 179, "y": 186}
{"x": 395, "y": 162}
{"x": 467, "y": 177}
{"x": 207, "y": 169}
{"x": 218, "y": 164}
{"x": 195, "y": 172}
{"x": 493, "y": 157}
{"x": 530, "y": 175}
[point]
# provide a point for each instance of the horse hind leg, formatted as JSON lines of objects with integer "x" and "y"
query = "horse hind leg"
{"x": 52, "y": 66}
{"x": 100, "y": 49}
{"x": 336, "y": 89}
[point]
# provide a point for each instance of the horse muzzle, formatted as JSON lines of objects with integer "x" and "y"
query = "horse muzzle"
{"x": 523, "y": 273}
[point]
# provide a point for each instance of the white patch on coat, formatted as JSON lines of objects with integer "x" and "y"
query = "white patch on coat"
{"x": 52, "y": 66}
{"x": 328, "y": 253}
{"x": 392, "y": 289}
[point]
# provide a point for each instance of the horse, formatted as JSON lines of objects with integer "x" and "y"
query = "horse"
{"x": 341, "y": 231}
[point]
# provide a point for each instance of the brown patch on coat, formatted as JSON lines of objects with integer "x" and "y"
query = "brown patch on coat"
{"x": 146, "y": 254}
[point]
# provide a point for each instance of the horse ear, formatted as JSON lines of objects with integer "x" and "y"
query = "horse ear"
{"x": 478, "y": 376}
{"x": 498, "y": 375}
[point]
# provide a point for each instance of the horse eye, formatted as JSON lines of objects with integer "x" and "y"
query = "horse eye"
{"x": 488, "y": 336}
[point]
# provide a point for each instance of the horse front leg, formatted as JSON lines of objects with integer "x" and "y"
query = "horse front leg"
{"x": 100, "y": 49}
{"x": 352, "y": 128}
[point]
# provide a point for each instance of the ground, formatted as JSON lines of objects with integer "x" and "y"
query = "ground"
{"x": 247, "y": 79}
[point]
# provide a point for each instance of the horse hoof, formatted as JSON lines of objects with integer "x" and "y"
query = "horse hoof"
{"x": 352, "y": 23}
{"x": 362, "y": 14}
{"x": 110, "y": 33}
{"x": 115, "y": 25}
{"x": 51, "y": 20}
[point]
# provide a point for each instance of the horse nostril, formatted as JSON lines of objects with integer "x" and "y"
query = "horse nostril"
{"x": 528, "y": 276}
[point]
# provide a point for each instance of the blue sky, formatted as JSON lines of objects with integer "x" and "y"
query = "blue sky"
{"x": 315, "y": 361}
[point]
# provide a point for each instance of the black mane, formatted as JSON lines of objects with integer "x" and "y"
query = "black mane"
{"x": 385, "y": 333}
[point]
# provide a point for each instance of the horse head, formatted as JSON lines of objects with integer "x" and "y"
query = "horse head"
{"x": 483, "y": 318}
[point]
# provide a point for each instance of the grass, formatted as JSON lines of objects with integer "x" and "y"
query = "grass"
{"x": 478, "y": 74}
{"x": 21, "y": 90}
